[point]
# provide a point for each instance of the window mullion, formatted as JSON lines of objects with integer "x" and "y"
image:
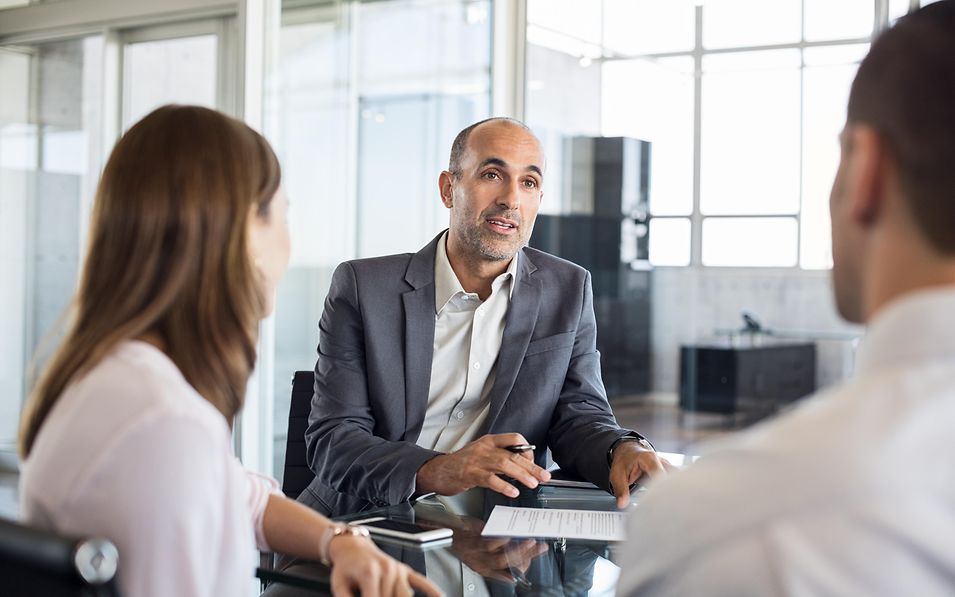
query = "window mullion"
{"x": 696, "y": 219}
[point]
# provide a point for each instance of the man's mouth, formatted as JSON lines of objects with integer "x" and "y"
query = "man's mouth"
{"x": 501, "y": 225}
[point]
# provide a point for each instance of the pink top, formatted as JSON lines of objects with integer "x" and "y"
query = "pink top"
{"x": 133, "y": 453}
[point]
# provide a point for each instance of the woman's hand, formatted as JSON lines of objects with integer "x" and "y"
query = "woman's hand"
{"x": 360, "y": 567}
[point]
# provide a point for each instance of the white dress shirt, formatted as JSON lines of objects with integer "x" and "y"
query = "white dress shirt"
{"x": 132, "y": 453}
{"x": 851, "y": 494}
{"x": 467, "y": 340}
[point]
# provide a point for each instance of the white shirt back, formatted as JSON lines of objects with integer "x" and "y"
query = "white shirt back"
{"x": 132, "y": 453}
{"x": 851, "y": 494}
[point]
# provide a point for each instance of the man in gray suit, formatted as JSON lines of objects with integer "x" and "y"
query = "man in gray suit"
{"x": 431, "y": 365}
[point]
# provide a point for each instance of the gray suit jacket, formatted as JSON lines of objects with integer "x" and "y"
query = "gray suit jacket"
{"x": 373, "y": 376}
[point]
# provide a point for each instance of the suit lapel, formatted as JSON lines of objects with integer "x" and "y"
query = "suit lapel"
{"x": 521, "y": 318}
{"x": 419, "y": 336}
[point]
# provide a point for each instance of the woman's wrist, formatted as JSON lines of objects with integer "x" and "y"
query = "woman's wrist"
{"x": 326, "y": 543}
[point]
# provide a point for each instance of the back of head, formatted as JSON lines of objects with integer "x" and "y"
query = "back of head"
{"x": 905, "y": 90}
{"x": 168, "y": 257}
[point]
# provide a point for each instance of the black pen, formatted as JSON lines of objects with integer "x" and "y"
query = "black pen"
{"x": 521, "y": 448}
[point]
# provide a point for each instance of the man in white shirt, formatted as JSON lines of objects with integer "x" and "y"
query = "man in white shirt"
{"x": 853, "y": 493}
{"x": 431, "y": 365}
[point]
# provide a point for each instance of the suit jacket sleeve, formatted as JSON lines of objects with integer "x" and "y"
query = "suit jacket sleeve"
{"x": 342, "y": 448}
{"x": 583, "y": 426}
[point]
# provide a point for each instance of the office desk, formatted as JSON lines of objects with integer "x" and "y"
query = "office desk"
{"x": 473, "y": 565}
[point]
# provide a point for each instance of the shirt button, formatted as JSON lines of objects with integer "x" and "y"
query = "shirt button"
{"x": 471, "y": 586}
{"x": 477, "y": 365}
{"x": 460, "y": 415}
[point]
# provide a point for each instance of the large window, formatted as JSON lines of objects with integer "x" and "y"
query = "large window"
{"x": 742, "y": 101}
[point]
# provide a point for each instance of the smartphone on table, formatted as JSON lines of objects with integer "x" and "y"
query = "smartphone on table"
{"x": 399, "y": 529}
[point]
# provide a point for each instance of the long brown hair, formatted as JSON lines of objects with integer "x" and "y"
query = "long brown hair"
{"x": 168, "y": 256}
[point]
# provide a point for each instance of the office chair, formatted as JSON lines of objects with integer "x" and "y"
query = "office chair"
{"x": 297, "y": 474}
{"x": 37, "y": 562}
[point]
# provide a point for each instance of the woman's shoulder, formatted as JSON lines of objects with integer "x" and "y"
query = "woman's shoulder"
{"x": 134, "y": 393}
{"x": 140, "y": 380}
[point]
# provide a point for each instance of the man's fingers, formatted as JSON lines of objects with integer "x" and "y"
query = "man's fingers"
{"x": 495, "y": 483}
{"x": 503, "y": 440}
{"x": 650, "y": 463}
{"x": 501, "y": 575}
{"x": 619, "y": 484}
{"x": 526, "y": 462}
{"x": 542, "y": 474}
{"x": 521, "y": 555}
{"x": 496, "y": 544}
{"x": 618, "y": 478}
{"x": 514, "y": 466}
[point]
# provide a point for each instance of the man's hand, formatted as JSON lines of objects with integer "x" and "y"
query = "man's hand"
{"x": 478, "y": 465}
{"x": 499, "y": 559}
{"x": 630, "y": 462}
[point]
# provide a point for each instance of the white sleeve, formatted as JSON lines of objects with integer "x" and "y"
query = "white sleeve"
{"x": 161, "y": 495}
{"x": 740, "y": 568}
{"x": 258, "y": 489}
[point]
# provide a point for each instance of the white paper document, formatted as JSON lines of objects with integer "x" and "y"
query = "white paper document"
{"x": 506, "y": 521}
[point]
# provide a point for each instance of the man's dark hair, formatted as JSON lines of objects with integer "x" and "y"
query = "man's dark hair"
{"x": 461, "y": 141}
{"x": 905, "y": 90}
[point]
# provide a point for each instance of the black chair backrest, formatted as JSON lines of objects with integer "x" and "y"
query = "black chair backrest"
{"x": 38, "y": 562}
{"x": 297, "y": 474}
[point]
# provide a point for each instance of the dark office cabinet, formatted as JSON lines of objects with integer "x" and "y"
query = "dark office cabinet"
{"x": 754, "y": 378}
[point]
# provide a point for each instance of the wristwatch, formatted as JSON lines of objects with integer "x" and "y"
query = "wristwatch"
{"x": 644, "y": 443}
{"x": 333, "y": 530}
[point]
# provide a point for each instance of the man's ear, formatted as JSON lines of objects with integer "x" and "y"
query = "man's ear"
{"x": 445, "y": 188}
{"x": 866, "y": 174}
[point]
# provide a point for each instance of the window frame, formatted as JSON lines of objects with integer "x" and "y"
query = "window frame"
{"x": 699, "y": 51}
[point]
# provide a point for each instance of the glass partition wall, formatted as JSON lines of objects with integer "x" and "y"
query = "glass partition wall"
{"x": 362, "y": 104}
{"x": 50, "y": 157}
{"x": 64, "y": 102}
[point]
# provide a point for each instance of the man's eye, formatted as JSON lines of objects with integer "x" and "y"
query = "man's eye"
{"x": 490, "y": 175}
{"x": 530, "y": 183}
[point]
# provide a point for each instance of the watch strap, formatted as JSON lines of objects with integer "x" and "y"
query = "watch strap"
{"x": 632, "y": 437}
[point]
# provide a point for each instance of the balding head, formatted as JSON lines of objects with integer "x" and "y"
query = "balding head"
{"x": 460, "y": 144}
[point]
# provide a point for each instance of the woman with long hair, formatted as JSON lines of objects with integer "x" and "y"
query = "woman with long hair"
{"x": 127, "y": 434}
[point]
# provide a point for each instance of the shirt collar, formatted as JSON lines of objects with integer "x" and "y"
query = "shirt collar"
{"x": 446, "y": 283}
{"x": 914, "y": 327}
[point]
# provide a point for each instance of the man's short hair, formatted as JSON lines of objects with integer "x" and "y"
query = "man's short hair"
{"x": 905, "y": 90}
{"x": 460, "y": 144}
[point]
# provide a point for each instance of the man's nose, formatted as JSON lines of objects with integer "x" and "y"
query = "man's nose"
{"x": 510, "y": 198}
